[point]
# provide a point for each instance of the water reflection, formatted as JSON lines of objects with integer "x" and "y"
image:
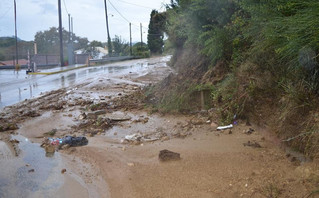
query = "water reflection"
{"x": 12, "y": 82}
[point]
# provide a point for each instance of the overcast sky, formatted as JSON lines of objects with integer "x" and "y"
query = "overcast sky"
{"x": 88, "y": 17}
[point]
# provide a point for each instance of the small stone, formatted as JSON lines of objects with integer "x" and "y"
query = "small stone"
{"x": 63, "y": 171}
{"x": 131, "y": 164}
{"x": 91, "y": 115}
{"x": 165, "y": 138}
{"x": 82, "y": 116}
{"x": 123, "y": 148}
{"x": 213, "y": 125}
{"x": 115, "y": 133}
{"x": 31, "y": 171}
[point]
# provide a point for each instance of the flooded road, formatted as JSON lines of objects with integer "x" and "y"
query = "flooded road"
{"x": 29, "y": 171}
{"x": 18, "y": 86}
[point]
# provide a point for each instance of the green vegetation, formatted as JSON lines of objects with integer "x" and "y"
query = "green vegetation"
{"x": 7, "y": 48}
{"x": 155, "y": 32}
{"x": 141, "y": 50}
{"x": 260, "y": 58}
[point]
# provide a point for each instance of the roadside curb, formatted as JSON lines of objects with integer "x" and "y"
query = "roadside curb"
{"x": 57, "y": 72}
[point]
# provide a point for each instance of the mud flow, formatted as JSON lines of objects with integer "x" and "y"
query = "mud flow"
{"x": 132, "y": 152}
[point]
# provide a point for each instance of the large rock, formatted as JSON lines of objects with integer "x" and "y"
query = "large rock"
{"x": 166, "y": 155}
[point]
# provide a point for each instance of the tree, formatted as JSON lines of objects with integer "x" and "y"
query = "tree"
{"x": 95, "y": 43}
{"x": 141, "y": 50}
{"x": 48, "y": 41}
{"x": 120, "y": 47}
{"x": 156, "y": 32}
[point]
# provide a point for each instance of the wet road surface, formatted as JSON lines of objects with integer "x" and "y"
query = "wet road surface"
{"x": 18, "y": 86}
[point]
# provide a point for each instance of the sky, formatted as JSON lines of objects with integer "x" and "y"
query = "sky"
{"x": 88, "y": 17}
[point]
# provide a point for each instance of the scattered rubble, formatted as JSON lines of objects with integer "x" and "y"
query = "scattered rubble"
{"x": 249, "y": 131}
{"x": 253, "y": 144}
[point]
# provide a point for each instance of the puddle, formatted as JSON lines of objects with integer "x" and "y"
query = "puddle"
{"x": 32, "y": 174}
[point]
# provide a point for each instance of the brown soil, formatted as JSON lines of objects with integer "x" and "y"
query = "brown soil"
{"x": 213, "y": 163}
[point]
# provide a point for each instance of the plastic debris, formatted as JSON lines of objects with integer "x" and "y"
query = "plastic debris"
{"x": 225, "y": 127}
{"x": 72, "y": 141}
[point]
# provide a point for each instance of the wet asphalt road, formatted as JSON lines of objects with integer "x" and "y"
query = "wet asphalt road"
{"x": 18, "y": 86}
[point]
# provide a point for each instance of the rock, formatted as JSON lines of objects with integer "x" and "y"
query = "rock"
{"x": 166, "y": 155}
{"x": 165, "y": 138}
{"x": 197, "y": 121}
{"x": 131, "y": 164}
{"x": 249, "y": 131}
{"x": 50, "y": 133}
{"x": 63, "y": 171}
{"x": 99, "y": 112}
{"x": 11, "y": 126}
{"x": 14, "y": 141}
{"x": 49, "y": 148}
{"x": 91, "y": 115}
{"x": 120, "y": 118}
{"x": 31, "y": 171}
{"x": 32, "y": 114}
{"x": 115, "y": 133}
{"x": 82, "y": 116}
{"x": 252, "y": 144}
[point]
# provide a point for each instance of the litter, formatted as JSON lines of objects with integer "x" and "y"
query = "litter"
{"x": 72, "y": 141}
{"x": 225, "y": 127}
{"x": 138, "y": 137}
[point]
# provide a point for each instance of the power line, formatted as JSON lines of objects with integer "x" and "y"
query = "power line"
{"x": 119, "y": 12}
{"x": 135, "y": 4}
{"x": 6, "y": 12}
{"x": 66, "y": 9}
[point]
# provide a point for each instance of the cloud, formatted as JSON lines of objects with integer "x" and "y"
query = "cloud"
{"x": 89, "y": 17}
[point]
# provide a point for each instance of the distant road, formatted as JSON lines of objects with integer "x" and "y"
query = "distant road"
{"x": 17, "y": 86}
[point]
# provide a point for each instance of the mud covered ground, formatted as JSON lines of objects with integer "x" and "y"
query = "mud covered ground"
{"x": 122, "y": 156}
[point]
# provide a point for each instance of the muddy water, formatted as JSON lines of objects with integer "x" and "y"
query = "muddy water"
{"x": 32, "y": 174}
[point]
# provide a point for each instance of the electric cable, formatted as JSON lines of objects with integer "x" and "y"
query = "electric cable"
{"x": 66, "y": 9}
{"x": 119, "y": 12}
{"x": 6, "y": 12}
{"x": 135, "y": 4}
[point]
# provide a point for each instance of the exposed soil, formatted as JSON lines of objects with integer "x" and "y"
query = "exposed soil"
{"x": 122, "y": 156}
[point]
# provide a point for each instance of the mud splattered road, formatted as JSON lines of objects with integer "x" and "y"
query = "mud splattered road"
{"x": 122, "y": 156}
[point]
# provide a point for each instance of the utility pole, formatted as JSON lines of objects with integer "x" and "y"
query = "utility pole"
{"x": 141, "y": 35}
{"x": 60, "y": 34}
{"x": 109, "y": 42}
{"x": 69, "y": 28}
{"x": 70, "y": 45}
{"x": 72, "y": 28}
{"x": 15, "y": 25}
{"x": 130, "y": 39}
